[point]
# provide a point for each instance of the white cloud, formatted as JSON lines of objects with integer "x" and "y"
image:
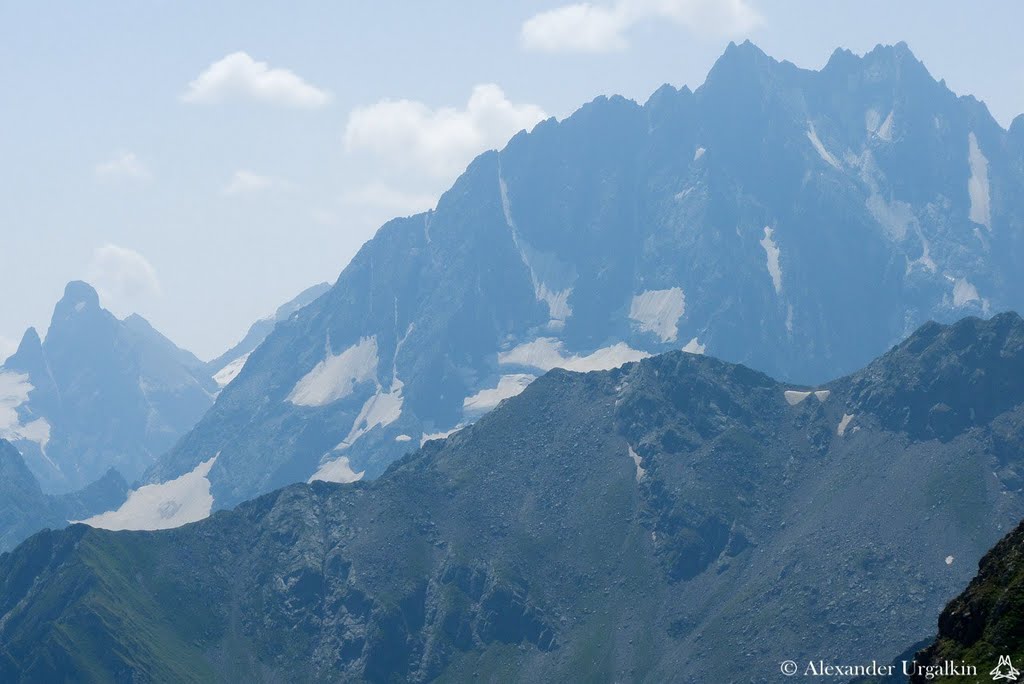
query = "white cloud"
{"x": 410, "y": 136}
{"x": 589, "y": 27}
{"x": 123, "y": 278}
{"x": 239, "y": 76}
{"x": 576, "y": 28}
{"x": 124, "y": 166}
{"x": 244, "y": 182}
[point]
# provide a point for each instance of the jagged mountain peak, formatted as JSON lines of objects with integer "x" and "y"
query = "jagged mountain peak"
{"x": 747, "y": 52}
{"x": 742, "y": 67}
{"x": 796, "y": 221}
{"x": 29, "y": 355}
{"x": 899, "y": 55}
{"x": 98, "y": 392}
{"x": 78, "y": 296}
{"x": 30, "y": 340}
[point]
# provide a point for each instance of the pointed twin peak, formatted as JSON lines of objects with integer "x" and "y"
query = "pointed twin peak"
{"x": 884, "y": 63}
{"x": 739, "y": 63}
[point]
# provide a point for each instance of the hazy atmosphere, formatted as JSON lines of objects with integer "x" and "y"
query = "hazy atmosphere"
{"x": 566, "y": 341}
{"x": 201, "y": 164}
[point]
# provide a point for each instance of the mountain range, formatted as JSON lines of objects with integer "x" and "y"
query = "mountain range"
{"x": 679, "y": 518}
{"x": 98, "y": 393}
{"x": 95, "y": 403}
{"x": 800, "y": 222}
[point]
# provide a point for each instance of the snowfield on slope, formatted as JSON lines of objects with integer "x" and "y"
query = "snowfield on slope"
{"x": 162, "y": 506}
{"x": 337, "y": 375}
{"x": 659, "y": 311}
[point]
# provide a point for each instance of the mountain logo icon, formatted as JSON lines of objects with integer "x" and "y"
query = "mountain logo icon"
{"x": 1005, "y": 670}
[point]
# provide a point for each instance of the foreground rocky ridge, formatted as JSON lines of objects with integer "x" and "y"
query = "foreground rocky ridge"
{"x": 655, "y": 522}
{"x": 984, "y": 623}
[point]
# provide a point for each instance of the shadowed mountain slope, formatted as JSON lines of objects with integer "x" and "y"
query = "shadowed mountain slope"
{"x": 658, "y": 522}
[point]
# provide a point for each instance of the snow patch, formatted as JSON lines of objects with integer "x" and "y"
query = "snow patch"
{"x": 694, "y": 347}
{"x": 949, "y": 560}
{"x": 403, "y": 438}
{"x": 636, "y": 461}
{"x": 486, "y": 399}
{"x": 380, "y": 410}
{"x": 698, "y": 153}
{"x": 229, "y": 372}
{"x": 885, "y": 130}
{"x": 977, "y": 184}
{"x": 895, "y": 217}
{"x": 794, "y": 397}
{"x": 659, "y": 311}
{"x": 427, "y": 437}
{"x": 772, "y": 252}
{"x": 336, "y": 376}
{"x": 843, "y": 424}
{"x": 874, "y": 124}
{"x": 338, "y": 470}
{"x": 822, "y": 395}
{"x": 383, "y": 408}
{"x": 964, "y": 292}
{"x": 812, "y": 135}
{"x": 557, "y": 300}
{"x": 872, "y": 120}
{"x": 925, "y": 260}
{"x": 546, "y": 353}
{"x": 162, "y": 506}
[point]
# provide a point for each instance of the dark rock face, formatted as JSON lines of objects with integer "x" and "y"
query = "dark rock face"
{"x": 952, "y": 378}
{"x": 984, "y": 623}
{"x": 655, "y": 522}
{"x": 99, "y": 393}
{"x": 798, "y": 222}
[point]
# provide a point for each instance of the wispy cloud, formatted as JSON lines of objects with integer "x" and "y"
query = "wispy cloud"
{"x": 238, "y": 76}
{"x": 590, "y": 27}
{"x": 123, "y": 166}
{"x": 437, "y": 142}
{"x": 123, "y": 278}
{"x": 245, "y": 182}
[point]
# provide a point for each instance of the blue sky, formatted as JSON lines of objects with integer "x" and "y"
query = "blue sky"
{"x": 201, "y": 163}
